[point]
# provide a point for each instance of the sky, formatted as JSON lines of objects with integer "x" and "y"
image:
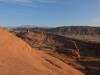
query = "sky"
{"x": 49, "y": 13}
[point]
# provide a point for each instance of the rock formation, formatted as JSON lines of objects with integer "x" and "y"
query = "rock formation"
{"x": 58, "y": 43}
{"x": 18, "y": 58}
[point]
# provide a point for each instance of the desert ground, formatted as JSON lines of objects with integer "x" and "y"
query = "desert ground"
{"x": 18, "y": 58}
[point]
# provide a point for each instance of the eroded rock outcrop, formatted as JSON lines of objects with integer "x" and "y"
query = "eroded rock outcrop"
{"x": 18, "y": 58}
{"x": 58, "y": 43}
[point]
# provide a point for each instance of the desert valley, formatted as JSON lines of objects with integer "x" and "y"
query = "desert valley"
{"x": 49, "y": 37}
{"x": 68, "y": 50}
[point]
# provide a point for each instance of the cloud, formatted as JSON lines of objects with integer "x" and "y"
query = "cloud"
{"x": 50, "y": 1}
{"x": 30, "y": 1}
{"x": 16, "y": 1}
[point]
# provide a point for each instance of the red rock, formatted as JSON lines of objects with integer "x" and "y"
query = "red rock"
{"x": 18, "y": 58}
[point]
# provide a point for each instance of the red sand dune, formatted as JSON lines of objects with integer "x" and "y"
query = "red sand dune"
{"x": 18, "y": 58}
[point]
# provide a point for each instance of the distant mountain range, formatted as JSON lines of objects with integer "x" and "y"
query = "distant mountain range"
{"x": 69, "y": 30}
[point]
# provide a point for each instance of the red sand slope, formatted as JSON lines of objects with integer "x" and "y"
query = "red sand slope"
{"x": 17, "y": 58}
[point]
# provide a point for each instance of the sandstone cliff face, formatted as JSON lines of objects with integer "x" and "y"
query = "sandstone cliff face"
{"x": 89, "y": 48}
{"x": 18, "y": 58}
{"x": 54, "y": 42}
{"x": 76, "y": 30}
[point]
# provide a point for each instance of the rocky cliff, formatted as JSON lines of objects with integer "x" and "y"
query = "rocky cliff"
{"x": 77, "y": 30}
{"x": 18, "y": 58}
{"x": 83, "y": 42}
{"x": 54, "y": 42}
